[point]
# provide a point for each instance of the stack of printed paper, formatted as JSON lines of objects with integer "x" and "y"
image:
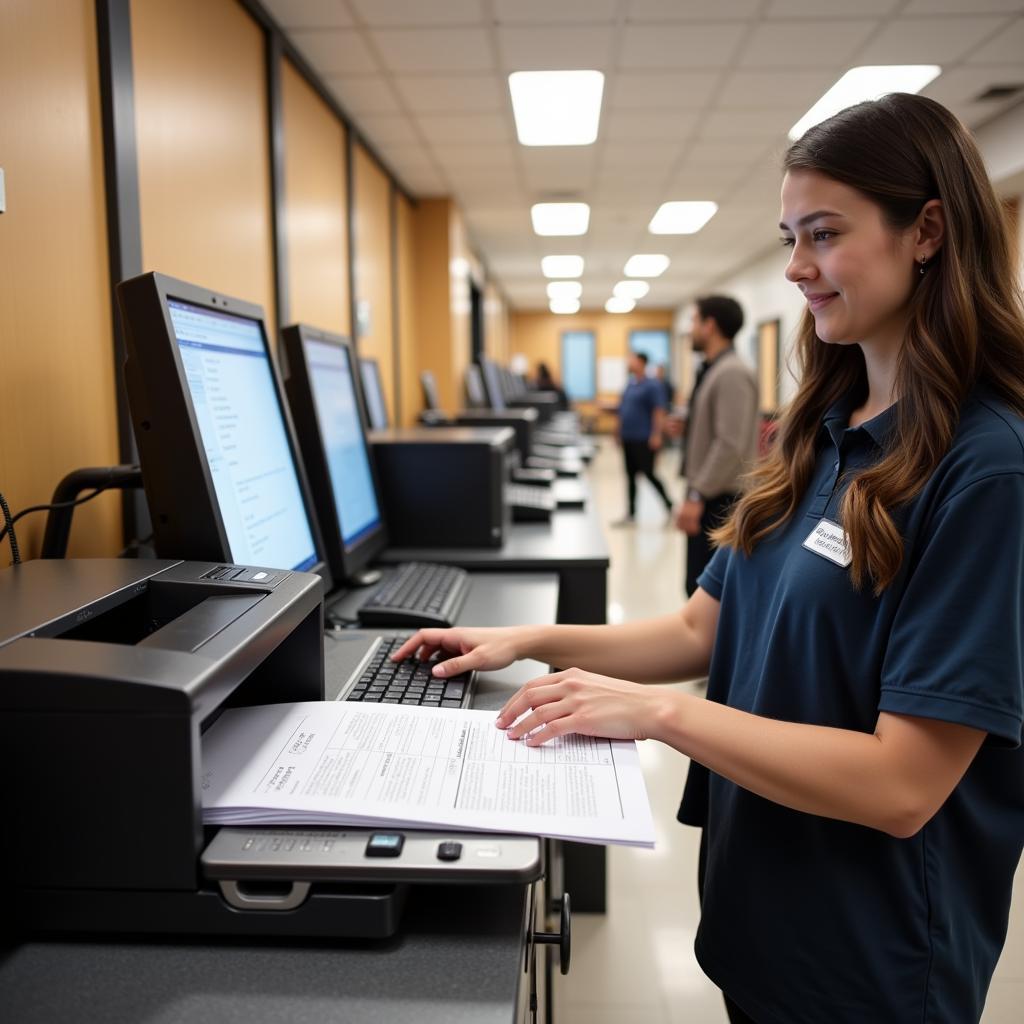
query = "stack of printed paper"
{"x": 394, "y": 766}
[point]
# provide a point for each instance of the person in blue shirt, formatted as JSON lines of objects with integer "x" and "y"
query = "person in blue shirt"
{"x": 641, "y": 421}
{"x": 857, "y": 766}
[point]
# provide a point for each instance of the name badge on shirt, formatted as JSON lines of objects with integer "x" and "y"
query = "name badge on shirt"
{"x": 828, "y": 539}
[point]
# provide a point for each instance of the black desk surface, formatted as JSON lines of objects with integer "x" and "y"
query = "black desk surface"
{"x": 457, "y": 958}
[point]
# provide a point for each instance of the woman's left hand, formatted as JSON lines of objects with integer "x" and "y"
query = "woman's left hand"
{"x": 581, "y": 702}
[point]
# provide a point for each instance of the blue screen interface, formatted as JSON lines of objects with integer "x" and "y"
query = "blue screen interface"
{"x": 235, "y": 401}
{"x": 348, "y": 462}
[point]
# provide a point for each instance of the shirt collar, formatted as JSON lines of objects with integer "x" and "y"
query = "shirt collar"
{"x": 837, "y": 422}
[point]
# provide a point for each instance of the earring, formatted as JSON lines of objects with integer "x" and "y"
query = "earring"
{"x": 924, "y": 260}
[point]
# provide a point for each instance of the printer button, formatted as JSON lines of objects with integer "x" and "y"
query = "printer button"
{"x": 449, "y": 851}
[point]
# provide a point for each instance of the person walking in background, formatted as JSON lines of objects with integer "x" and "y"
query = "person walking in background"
{"x": 641, "y": 419}
{"x": 662, "y": 377}
{"x": 722, "y": 429}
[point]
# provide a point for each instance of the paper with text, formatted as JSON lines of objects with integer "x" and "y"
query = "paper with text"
{"x": 391, "y": 765}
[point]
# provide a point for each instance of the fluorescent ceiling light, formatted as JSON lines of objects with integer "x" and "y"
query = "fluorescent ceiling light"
{"x": 564, "y": 305}
{"x": 619, "y": 305}
{"x": 560, "y": 218}
{"x": 681, "y": 218}
{"x": 562, "y": 266}
{"x": 631, "y": 289}
{"x": 867, "y": 82}
{"x": 646, "y": 265}
{"x": 564, "y": 290}
{"x": 556, "y": 108}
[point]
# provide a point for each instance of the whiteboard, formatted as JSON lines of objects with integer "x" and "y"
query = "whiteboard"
{"x": 612, "y": 374}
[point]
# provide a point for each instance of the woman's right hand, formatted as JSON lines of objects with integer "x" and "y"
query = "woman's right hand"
{"x": 464, "y": 648}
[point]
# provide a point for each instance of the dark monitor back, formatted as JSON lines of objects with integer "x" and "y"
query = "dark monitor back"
{"x": 476, "y": 396}
{"x": 491, "y": 373}
{"x": 323, "y": 392}
{"x": 220, "y": 462}
{"x": 373, "y": 393}
{"x": 431, "y": 401}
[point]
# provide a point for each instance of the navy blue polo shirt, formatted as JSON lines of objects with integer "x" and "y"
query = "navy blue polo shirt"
{"x": 808, "y": 920}
{"x": 636, "y": 411}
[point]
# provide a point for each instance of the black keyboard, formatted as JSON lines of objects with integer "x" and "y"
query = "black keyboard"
{"x": 530, "y": 503}
{"x": 417, "y": 594}
{"x": 384, "y": 681}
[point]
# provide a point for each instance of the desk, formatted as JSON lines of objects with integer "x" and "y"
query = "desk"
{"x": 572, "y": 544}
{"x": 458, "y": 957}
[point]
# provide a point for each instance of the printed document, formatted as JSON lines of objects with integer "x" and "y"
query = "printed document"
{"x": 393, "y": 766}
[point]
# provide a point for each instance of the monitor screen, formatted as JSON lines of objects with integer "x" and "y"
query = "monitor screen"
{"x": 373, "y": 392}
{"x": 492, "y": 384}
{"x": 430, "y": 398}
{"x": 341, "y": 431}
{"x": 234, "y": 398}
{"x": 475, "y": 394}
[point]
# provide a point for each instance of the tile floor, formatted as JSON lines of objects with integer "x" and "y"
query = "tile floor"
{"x": 636, "y": 962}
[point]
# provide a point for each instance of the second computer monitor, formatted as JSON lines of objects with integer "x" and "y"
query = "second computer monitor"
{"x": 431, "y": 400}
{"x": 324, "y": 398}
{"x": 373, "y": 393}
{"x": 492, "y": 384}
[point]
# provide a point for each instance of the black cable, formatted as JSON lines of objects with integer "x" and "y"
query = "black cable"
{"x": 42, "y": 508}
{"x": 15, "y": 553}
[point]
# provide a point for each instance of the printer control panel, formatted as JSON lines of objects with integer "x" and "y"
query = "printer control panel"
{"x": 243, "y": 574}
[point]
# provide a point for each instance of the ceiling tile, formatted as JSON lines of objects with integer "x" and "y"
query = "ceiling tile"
{"x": 405, "y": 51}
{"x": 674, "y": 10}
{"x": 417, "y": 12}
{"x": 382, "y": 129}
{"x": 724, "y": 153}
{"x": 309, "y": 13}
{"x": 813, "y": 43}
{"x": 749, "y": 124}
{"x": 928, "y": 41}
{"x": 623, "y": 156}
{"x": 363, "y": 94}
{"x": 667, "y": 127}
{"x": 403, "y": 156}
{"x": 964, "y": 84}
{"x": 489, "y": 155}
{"x": 679, "y": 46}
{"x": 424, "y": 94}
{"x": 668, "y": 90}
{"x": 539, "y": 12}
{"x": 541, "y": 49}
{"x": 750, "y": 89}
{"x": 425, "y": 183}
{"x": 931, "y": 7}
{"x": 465, "y": 128}
{"x": 1006, "y": 48}
{"x": 335, "y": 52}
{"x": 828, "y": 8}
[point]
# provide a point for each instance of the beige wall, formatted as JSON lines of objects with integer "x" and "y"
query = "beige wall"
{"x": 203, "y": 145}
{"x": 316, "y": 214}
{"x": 408, "y": 313}
{"x": 57, "y": 405}
{"x": 538, "y": 336}
{"x": 372, "y": 201}
{"x": 496, "y": 321}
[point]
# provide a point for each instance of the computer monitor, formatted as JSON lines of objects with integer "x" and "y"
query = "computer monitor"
{"x": 323, "y": 394}
{"x": 219, "y": 458}
{"x": 492, "y": 383}
{"x": 476, "y": 397}
{"x": 431, "y": 401}
{"x": 373, "y": 393}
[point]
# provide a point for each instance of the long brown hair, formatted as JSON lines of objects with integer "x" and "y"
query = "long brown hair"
{"x": 965, "y": 326}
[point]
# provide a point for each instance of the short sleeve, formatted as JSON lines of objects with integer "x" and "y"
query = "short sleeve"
{"x": 955, "y": 649}
{"x": 712, "y": 579}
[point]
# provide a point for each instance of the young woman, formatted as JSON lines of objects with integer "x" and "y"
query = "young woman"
{"x": 862, "y": 788}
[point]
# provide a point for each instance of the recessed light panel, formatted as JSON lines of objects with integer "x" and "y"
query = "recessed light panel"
{"x": 617, "y": 305}
{"x": 646, "y": 265}
{"x": 560, "y": 218}
{"x": 631, "y": 289}
{"x": 685, "y": 218}
{"x": 564, "y": 305}
{"x": 562, "y": 266}
{"x": 564, "y": 289}
{"x": 556, "y": 108}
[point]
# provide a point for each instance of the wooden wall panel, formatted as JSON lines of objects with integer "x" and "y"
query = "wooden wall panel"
{"x": 432, "y": 296}
{"x": 408, "y": 353}
{"x": 57, "y": 405}
{"x": 372, "y": 206}
{"x": 203, "y": 146}
{"x": 316, "y": 214}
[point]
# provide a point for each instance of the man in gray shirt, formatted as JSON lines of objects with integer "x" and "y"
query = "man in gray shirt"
{"x": 722, "y": 429}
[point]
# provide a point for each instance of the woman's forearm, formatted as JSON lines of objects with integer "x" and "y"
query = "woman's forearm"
{"x": 650, "y": 651}
{"x": 893, "y": 779}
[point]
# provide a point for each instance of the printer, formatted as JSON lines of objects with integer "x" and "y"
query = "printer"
{"x": 110, "y": 672}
